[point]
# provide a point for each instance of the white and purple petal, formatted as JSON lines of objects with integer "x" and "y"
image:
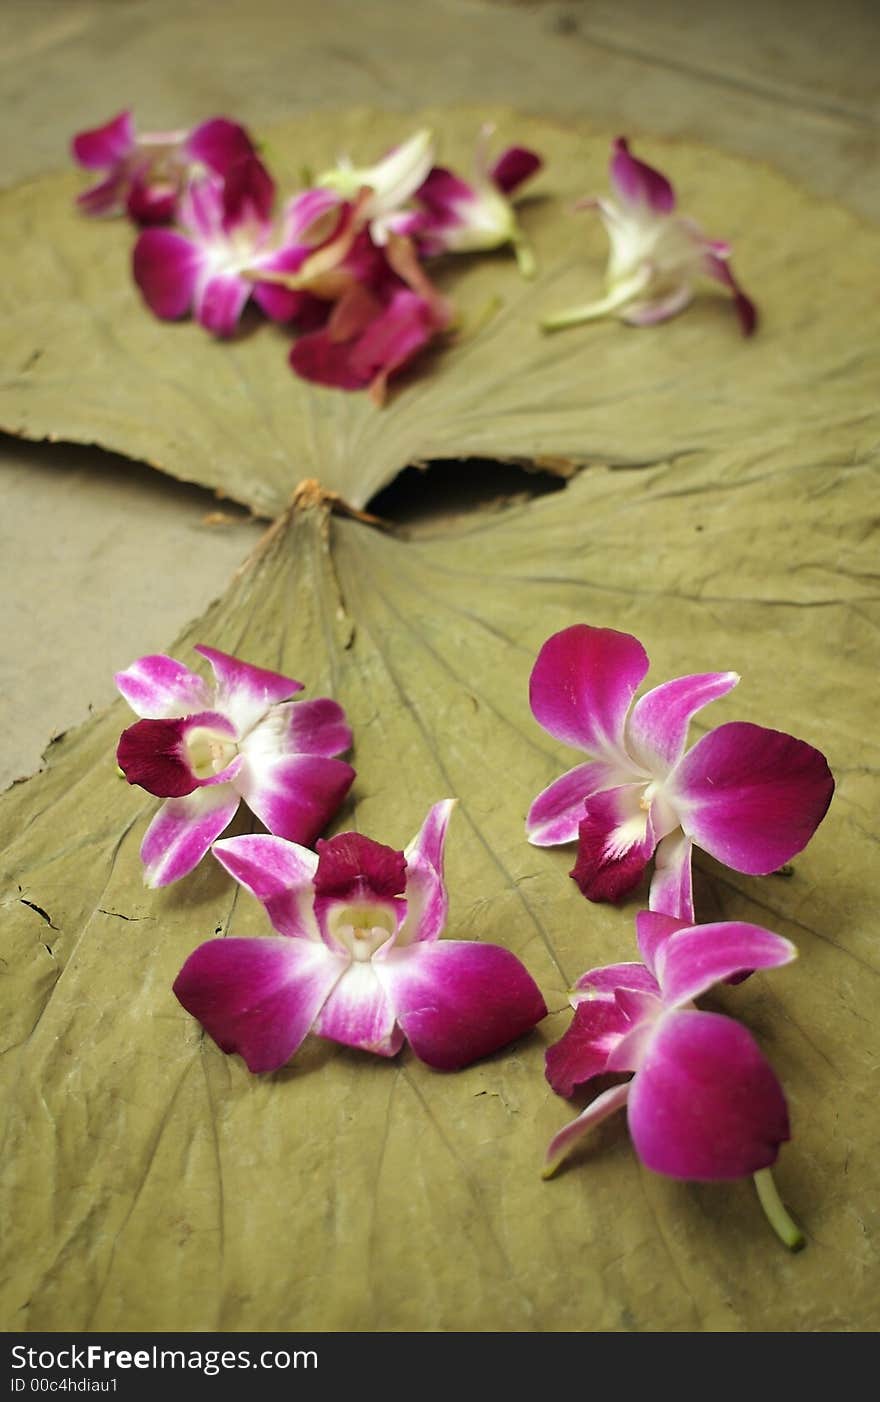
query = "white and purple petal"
{"x": 556, "y": 813}
{"x": 246, "y": 692}
{"x": 658, "y": 723}
{"x": 219, "y": 300}
{"x": 639, "y": 184}
{"x": 705, "y": 1103}
{"x": 426, "y": 900}
{"x": 258, "y": 997}
{"x": 672, "y": 886}
{"x": 183, "y": 830}
{"x": 296, "y": 795}
{"x": 457, "y": 1001}
{"x": 166, "y": 268}
{"x": 751, "y": 797}
{"x": 583, "y": 1049}
{"x": 158, "y": 686}
{"x": 615, "y": 844}
{"x": 359, "y": 1013}
{"x": 173, "y": 756}
{"x": 653, "y": 929}
{"x": 279, "y": 874}
{"x": 694, "y": 959}
{"x": 582, "y": 685}
{"x": 598, "y": 1110}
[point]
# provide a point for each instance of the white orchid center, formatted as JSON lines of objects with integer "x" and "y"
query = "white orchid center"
{"x": 208, "y": 751}
{"x": 362, "y": 929}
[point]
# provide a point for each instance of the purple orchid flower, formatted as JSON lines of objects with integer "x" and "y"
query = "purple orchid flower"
{"x": 454, "y": 216}
{"x": 387, "y": 186}
{"x": 212, "y": 264}
{"x": 750, "y": 797}
{"x": 204, "y": 748}
{"x": 656, "y": 254}
{"x": 357, "y": 959}
{"x": 144, "y": 175}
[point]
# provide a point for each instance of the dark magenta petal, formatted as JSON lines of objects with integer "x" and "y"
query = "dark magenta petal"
{"x": 582, "y": 1051}
{"x": 258, "y": 997}
{"x": 638, "y": 183}
{"x": 295, "y": 796}
{"x": 248, "y": 191}
{"x": 705, "y": 1104}
{"x": 582, "y": 685}
{"x": 219, "y": 144}
{"x": 166, "y": 267}
{"x": 322, "y": 360}
{"x": 747, "y": 312}
{"x": 751, "y": 797}
{"x": 457, "y": 1001}
{"x": 150, "y": 754}
{"x": 615, "y": 844}
{"x": 151, "y": 203}
{"x": 354, "y": 867}
{"x": 514, "y": 167}
{"x": 694, "y": 959}
{"x": 105, "y": 146}
{"x": 442, "y": 192}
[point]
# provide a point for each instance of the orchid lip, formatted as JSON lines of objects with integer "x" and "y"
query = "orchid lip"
{"x": 362, "y": 929}
{"x": 208, "y": 751}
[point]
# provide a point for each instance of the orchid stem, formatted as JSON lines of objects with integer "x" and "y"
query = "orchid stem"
{"x": 525, "y": 258}
{"x": 786, "y": 1229}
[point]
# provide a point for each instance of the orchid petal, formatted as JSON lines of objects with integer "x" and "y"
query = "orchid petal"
{"x": 295, "y": 795}
{"x": 107, "y": 197}
{"x": 316, "y": 727}
{"x": 279, "y": 874}
{"x": 258, "y": 997}
{"x": 672, "y": 887}
{"x": 183, "y": 830}
{"x": 651, "y": 311}
{"x": 718, "y": 268}
{"x": 653, "y": 929}
{"x": 151, "y": 201}
{"x": 156, "y": 754}
{"x": 219, "y": 301}
{"x": 513, "y": 168}
{"x": 705, "y": 1104}
{"x": 556, "y": 813}
{"x": 658, "y": 723}
{"x": 105, "y": 146}
{"x": 426, "y": 901}
{"x": 582, "y": 685}
{"x": 638, "y": 184}
{"x": 358, "y": 1013}
{"x": 561, "y": 1144}
{"x": 304, "y": 210}
{"x": 358, "y": 885}
{"x": 603, "y": 984}
{"x": 219, "y": 144}
{"x": 158, "y": 686}
{"x": 693, "y": 960}
{"x": 166, "y": 267}
{"x": 457, "y": 1000}
{"x": 751, "y": 797}
{"x": 244, "y": 692}
{"x": 615, "y": 844}
{"x": 583, "y": 1049}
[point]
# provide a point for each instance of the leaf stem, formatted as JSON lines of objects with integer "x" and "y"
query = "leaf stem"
{"x": 786, "y": 1229}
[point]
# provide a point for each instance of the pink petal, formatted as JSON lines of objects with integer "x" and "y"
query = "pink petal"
{"x": 639, "y": 184}
{"x": 694, "y": 959}
{"x": 426, "y": 901}
{"x": 705, "y": 1104}
{"x": 107, "y": 197}
{"x": 244, "y": 692}
{"x": 407, "y": 324}
{"x": 317, "y": 357}
{"x": 720, "y": 270}
{"x": 219, "y": 302}
{"x": 219, "y": 144}
{"x": 615, "y": 843}
{"x": 280, "y": 303}
{"x": 672, "y": 888}
{"x": 556, "y": 813}
{"x": 604, "y": 983}
{"x": 651, "y": 312}
{"x": 151, "y": 201}
{"x": 304, "y": 210}
{"x": 582, "y": 1051}
{"x": 751, "y": 797}
{"x": 358, "y": 1013}
{"x": 153, "y": 754}
{"x": 105, "y": 146}
{"x": 582, "y": 685}
{"x": 658, "y": 724}
{"x": 457, "y": 1001}
{"x": 297, "y": 795}
{"x": 183, "y": 830}
{"x": 166, "y": 268}
{"x": 257, "y": 997}
{"x": 598, "y": 1110}
{"x": 279, "y": 874}
{"x": 248, "y": 193}
{"x": 318, "y": 727}
{"x": 653, "y": 929}
{"x": 514, "y": 167}
{"x": 157, "y": 686}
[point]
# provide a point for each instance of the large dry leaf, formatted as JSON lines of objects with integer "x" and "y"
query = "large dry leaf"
{"x": 150, "y": 1179}
{"x": 83, "y": 359}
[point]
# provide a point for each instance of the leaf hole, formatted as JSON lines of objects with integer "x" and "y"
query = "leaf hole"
{"x": 443, "y": 491}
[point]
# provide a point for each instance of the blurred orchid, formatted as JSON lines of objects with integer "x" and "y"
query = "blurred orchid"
{"x": 357, "y": 959}
{"x": 750, "y": 797}
{"x": 144, "y": 175}
{"x": 205, "y": 747}
{"x": 703, "y": 1102}
{"x": 386, "y": 186}
{"x": 453, "y": 216}
{"x": 656, "y": 254}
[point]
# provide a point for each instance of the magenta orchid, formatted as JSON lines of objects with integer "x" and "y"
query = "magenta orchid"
{"x": 703, "y": 1103}
{"x": 357, "y": 959}
{"x": 204, "y": 748}
{"x": 453, "y": 216}
{"x": 750, "y": 797}
{"x": 144, "y": 175}
{"x": 656, "y": 254}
